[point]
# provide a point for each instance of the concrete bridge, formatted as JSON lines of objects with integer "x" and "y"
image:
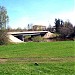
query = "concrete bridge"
{"x": 19, "y": 36}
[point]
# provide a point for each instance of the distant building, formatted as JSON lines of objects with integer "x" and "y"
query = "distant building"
{"x": 39, "y": 27}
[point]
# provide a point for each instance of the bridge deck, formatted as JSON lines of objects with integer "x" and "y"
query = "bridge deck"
{"x": 27, "y": 32}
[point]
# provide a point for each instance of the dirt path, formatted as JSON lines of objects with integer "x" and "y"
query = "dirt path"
{"x": 39, "y": 60}
{"x": 3, "y": 60}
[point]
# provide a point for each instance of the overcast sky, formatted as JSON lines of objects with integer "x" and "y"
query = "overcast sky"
{"x": 43, "y": 12}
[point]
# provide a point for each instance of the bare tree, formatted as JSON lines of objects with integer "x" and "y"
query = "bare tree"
{"x": 3, "y": 20}
{"x": 3, "y": 17}
{"x": 66, "y": 30}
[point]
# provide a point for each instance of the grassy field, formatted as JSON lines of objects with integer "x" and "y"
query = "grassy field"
{"x": 41, "y": 69}
{"x": 53, "y": 58}
{"x": 33, "y": 49}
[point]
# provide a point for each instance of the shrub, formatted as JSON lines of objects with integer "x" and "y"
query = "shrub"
{"x": 3, "y": 37}
{"x": 37, "y": 39}
{"x": 26, "y": 38}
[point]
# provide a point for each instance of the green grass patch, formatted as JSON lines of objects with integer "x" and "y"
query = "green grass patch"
{"x": 42, "y": 49}
{"x": 41, "y": 69}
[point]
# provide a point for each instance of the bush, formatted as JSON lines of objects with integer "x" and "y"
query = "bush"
{"x": 37, "y": 39}
{"x": 26, "y": 38}
{"x": 3, "y": 37}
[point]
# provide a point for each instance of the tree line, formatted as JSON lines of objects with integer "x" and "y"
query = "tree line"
{"x": 64, "y": 29}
